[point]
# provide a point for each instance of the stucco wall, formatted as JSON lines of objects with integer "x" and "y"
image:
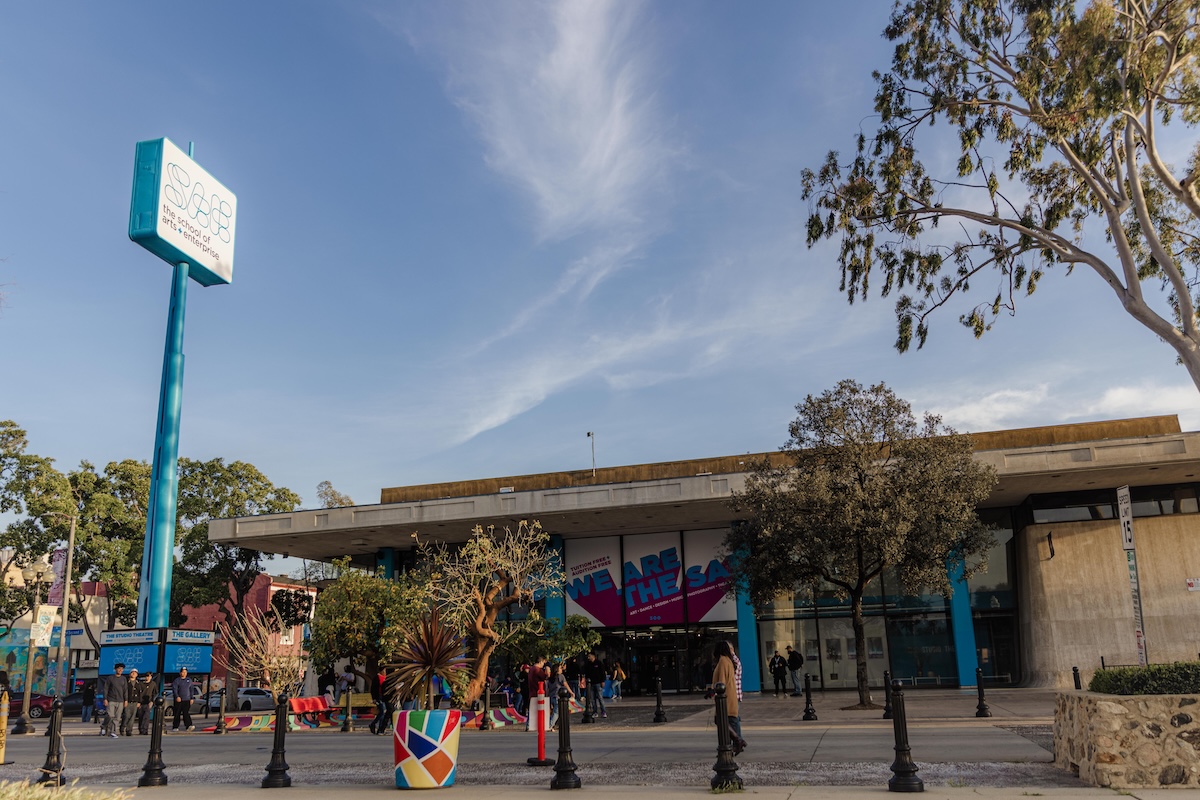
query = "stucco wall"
{"x": 1076, "y": 607}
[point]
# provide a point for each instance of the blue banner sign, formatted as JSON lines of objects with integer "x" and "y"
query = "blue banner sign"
{"x": 196, "y": 657}
{"x": 142, "y": 657}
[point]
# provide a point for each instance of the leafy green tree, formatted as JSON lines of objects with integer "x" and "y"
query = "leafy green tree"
{"x": 113, "y": 518}
{"x": 331, "y": 497}
{"x": 362, "y": 617}
{"x": 557, "y": 642}
{"x": 1061, "y": 109}
{"x": 493, "y": 571}
{"x": 292, "y": 607}
{"x": 205, "y": 572}
{"x": 861, "y": 488}
{"x": 25, "y": 479}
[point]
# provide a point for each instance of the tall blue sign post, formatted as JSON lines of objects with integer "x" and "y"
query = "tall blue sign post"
{"x": 185, "y": 217}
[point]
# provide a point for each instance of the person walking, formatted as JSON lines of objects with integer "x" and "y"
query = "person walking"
{"x": 184, "y": 691}
{"x": 795, "y": 663}
{"x": 537, "y": 675}
{"x": 618, "y": 677}
{"x": 573, "y": 673}
{"x": 596, "y": 675}
{"x": 778, "y": 668}
{"x": 144, "y": 691}
{"x": 558, "y": 680}
{"x": 727, "y": 670}
{"x": 89, "y": 700}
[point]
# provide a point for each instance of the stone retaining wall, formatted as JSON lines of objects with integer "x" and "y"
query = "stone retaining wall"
{"x": 1129, "y": 741}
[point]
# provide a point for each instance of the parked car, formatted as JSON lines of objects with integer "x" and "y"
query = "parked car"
{"x": 169, "y": 704}
{"x": 249, "y": 698}
{"x": 39, "y": 704}
{"x": 73, "y": 704}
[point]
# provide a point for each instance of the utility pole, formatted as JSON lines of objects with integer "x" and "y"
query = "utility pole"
{"x": 592, "y": 436}
{"x": 60, "y": 674}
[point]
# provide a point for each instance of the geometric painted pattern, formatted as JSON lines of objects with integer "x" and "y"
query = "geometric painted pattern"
{"x": 426, "y": 745}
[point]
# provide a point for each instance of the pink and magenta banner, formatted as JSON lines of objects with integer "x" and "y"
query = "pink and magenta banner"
{"x": 663, "y": 579}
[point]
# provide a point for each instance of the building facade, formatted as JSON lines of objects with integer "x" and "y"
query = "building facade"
{"x": 640, "y": 547}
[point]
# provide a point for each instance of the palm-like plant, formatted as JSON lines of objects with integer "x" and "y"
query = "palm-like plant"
{"x": 430, "y": 649}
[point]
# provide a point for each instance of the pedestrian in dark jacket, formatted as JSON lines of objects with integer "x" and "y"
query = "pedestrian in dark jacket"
{"x": 89, "y": 700}
{"x": 596, "y": 675}
{"x": 116, "y": 695}
{"x": 184, "y": 691}
{"x": 795, "y": 663}
{"x": 144, "y": 692}
{"x": 125, "y": 723}
{"x": 778, "y": 667}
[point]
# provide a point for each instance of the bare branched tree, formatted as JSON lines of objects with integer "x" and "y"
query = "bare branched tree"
{"x": 255, "y": 650}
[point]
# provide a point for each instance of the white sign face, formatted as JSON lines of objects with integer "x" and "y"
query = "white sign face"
{"x": 43, "y": 626}
{"x": 181, "y": 213}
{"x": 197, "y": 214}
{"x": 129, "y": 637}
{"x": 190, "y": 637}
{"x": 1125, "y": 514}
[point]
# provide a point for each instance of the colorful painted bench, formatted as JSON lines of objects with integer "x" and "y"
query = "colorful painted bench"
{"x": 312, "y": 712}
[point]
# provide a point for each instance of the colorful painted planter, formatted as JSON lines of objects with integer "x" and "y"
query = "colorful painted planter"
{"x": 426, "y": 745}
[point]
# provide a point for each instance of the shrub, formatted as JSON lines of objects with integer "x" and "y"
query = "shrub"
{"x": 1182, "y": 677}
{"x": 24, "y": 791}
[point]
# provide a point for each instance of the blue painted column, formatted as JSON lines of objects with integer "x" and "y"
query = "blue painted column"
{"x": 385, "y": 563}
{"x": 158, "y": 554}
{"x": 747, "y": 644}
{"x": 962, "y": 626}
{"x": 556, "y": 604}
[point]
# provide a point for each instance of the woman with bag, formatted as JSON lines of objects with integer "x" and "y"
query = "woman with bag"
{"x": 618, "y": 676}
{"x": 726, "y": 671}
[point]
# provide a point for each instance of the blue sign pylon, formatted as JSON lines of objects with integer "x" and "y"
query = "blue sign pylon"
{"x": 154, "y": 596}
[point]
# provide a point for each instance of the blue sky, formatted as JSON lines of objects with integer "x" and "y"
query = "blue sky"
{"x": 469, "y": 233}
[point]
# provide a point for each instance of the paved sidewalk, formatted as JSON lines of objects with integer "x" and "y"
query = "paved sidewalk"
{"x": 844, "y": 754}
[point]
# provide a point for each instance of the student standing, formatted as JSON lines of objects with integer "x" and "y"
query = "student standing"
{"x": 185, "y": 691}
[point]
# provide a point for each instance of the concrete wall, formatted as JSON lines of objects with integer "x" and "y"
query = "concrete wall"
{"x": 1076, "y": 607}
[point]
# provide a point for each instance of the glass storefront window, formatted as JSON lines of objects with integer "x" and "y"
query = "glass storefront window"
{"x": 994, "y": 589}
{"x": 922, "y": 650}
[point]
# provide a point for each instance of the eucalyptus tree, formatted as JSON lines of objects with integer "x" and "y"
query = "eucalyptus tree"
{"x": 1073, "y": 120}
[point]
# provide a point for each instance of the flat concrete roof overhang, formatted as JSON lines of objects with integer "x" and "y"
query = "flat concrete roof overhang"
{"x": 690, "y": 495}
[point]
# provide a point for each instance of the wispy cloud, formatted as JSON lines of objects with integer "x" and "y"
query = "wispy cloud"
{"x": 561, "y": 95}
{"x": 1150, "y": 399}
{"x": 1049, "y": 403}
{"x": 563, "y": 99}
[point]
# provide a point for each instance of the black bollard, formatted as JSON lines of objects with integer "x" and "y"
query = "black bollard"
{"x": 887, "y": 694}
{"x": 660, "y": 714}
{"x": 220, "y": 711}
{"x": 1078, "y": 682}
{"x": 348, "y": 722}
{"x": 277, "y": 770}
{"x": 486, "y": 723}
{"x": 981, "y": 709}
{"x": 810, "y": 713}
{"x": 152, "y": 771}
{"x": 588, "y": 715}
{"x": 904, "y": 777}
{"x": 52, "y": 769}
{"x": 564, "y": 768}
{"x": 725, "y": 777}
